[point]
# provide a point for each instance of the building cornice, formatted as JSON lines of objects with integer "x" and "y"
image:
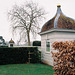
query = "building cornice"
{"x": 58, "y": 30}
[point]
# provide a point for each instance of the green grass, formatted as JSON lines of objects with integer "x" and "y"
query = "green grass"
{"x": 26, "y": 69}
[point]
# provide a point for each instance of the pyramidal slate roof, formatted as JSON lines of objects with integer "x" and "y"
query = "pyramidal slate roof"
{"x": 59, "y": 21}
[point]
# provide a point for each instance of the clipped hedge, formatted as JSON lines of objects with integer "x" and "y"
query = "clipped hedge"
{"x": 17, "y": 55}
{"x": 64, "y": 59}
{"x": 36, "y": 43}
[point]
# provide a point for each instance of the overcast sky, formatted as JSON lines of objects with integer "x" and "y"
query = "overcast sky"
{"x": 50, "y": 6}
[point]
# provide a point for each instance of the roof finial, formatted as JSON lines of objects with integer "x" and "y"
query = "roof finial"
{"x": 58, "y": 5}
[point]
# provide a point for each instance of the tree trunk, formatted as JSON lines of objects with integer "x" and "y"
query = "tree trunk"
{"x": 28, "y": 35}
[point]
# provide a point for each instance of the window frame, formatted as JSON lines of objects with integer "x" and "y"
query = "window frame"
{"x": 48, "y": 45}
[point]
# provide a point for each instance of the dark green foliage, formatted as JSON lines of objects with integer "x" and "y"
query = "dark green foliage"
{"x": 36, "y": 57}
{"x": 18, "y": 55}
{"x": 3, "y": 46}
{"x": 36, "y": 43}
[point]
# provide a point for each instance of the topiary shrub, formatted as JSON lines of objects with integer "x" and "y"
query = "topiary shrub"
{"x": 36, "y": 43}
{"x": 64, "y": 58}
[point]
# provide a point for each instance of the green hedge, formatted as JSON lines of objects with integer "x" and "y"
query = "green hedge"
{"x": 17, "y": 55}
{"x": 36, "y": 43}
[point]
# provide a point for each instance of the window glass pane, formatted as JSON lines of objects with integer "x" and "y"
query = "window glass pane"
{"x": 48, "y": 45}
{"x": 48, "y": 48}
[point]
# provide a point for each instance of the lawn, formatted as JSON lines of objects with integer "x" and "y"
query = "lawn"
{"x": 26, "y": 69}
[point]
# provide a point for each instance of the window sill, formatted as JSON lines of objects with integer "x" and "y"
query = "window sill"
{"x": 47, "y": 52}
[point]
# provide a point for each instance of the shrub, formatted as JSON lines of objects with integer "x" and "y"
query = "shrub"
{"x": 16, "y": 55}
{"x": 36, "y": 43}
{"x": 65, "y": 58}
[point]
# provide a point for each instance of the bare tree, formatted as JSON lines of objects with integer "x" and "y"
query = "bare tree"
{"x": 26, "y": 19}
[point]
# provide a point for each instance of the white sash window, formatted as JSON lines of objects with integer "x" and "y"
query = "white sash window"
{"x": 47, "y": 45}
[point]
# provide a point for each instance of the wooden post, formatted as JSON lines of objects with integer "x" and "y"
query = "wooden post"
{"x": 29, "y": 56}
